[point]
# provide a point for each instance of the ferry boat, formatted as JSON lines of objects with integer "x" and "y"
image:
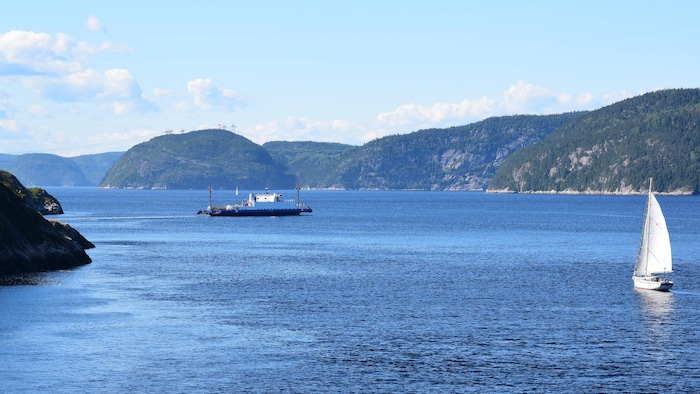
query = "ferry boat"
{"x": 259, "y": 204}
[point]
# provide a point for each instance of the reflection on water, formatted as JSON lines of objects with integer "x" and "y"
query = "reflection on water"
{"x": 657, "y": 313}
{"x": 31, "y": 279}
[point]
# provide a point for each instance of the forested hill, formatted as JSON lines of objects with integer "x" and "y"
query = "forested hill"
{"x": 43, "y": 169}
{"x": 615, "y": 149}
{"x": 309, "y": 161}
{"x": 456, "y": 158}
{"x": 197, "y": 160}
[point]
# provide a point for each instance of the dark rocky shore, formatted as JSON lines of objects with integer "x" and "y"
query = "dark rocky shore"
{"x": 28, "y": 241}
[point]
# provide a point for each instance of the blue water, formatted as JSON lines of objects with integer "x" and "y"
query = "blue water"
{"x": 373, "y": 292}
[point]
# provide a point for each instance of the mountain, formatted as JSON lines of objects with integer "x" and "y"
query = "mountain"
{"x": 5, "y": 158}
{"x": 615, "y": 149}
{"x": 456, "y": 158}
{"x": 42, "y": 169}
{"x": 309, "y": 161}
{"x": 29, "y": 242}
{"x": 95, "y": 167}
{"x": 198, "y": 160}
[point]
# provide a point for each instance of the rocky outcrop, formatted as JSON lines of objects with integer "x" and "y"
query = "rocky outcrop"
{"x": 71, "y": 233}
{"x": 43, "y": 202}
{"x": 30, "y": 243}
{"x": 34, "y": 197}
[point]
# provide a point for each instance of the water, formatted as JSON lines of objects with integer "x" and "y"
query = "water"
{"x": 374, "y": 292}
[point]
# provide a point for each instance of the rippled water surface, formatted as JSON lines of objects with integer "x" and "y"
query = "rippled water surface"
{"x": 373, "y": 292}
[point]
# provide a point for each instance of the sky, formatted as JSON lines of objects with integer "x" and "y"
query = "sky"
{"x": 84, "y": 77}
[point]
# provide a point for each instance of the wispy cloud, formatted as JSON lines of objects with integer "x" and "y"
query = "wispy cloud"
{"x": 4, "y": 107}
{"x": 93, "y": 24}
{"x": 519, "y": 98}
{"x": 116, "y": 89}
{"x": 526, "y": 98}
{"x": 10, "y": 128}
{"x": 202, "y": 95}
{"x": 302, "y": 129}
{"x": 26, "y": 53}
{"x": 439, "y": 113}
{"x": 206, "y": 96}
{"x": 29, "y": 53}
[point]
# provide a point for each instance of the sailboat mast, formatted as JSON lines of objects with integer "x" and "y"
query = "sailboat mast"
{"x": 647, "y": 228}
{"x": 640, "y": 267}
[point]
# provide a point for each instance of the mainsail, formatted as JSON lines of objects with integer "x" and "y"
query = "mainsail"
{"x": 655, "y": 247}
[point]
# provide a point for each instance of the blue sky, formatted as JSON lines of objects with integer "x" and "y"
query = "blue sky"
{"x": 80, "y": 77}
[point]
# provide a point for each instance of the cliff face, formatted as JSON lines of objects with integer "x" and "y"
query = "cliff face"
{"x": 35, "y": 197}
{"x": 30, "y": 243}
{"x": 455, "y": 158}
{"x": 615, "y": 150}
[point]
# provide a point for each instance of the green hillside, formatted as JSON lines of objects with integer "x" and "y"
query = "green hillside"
{"x": 41, "y": 169}
{"x": 456, "y": 158}
{"x": 309, "y": 161}
{"x": 615, "y": 149}
{"x": 94, "y": 167}
{"x": 197, "y": 160}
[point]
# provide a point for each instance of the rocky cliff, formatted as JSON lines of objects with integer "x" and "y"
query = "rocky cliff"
{"x": 615, "y": 150}
{"x": 34, "y": 197}
{"x": 29, "y": 242}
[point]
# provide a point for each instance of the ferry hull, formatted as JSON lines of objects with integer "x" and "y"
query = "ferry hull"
{"x": 257, "y": 212}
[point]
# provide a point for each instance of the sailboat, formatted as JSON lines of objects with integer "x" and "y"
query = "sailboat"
{"x": 654, "y": 254}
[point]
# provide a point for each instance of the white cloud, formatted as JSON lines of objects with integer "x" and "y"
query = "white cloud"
{"x": 206, "y": 96}
{"x": 612, "y": 97}
{"x": 108, "y": 46}
{"x": 36, "y": 110}
{"x": 5, "y": 108}
{"x": 157, "y": 92}
{"x": 303, "y": 129}
{"x": 78, "y": 86}
{"x": 524, "y": 97}
{"x": 29, "y": 53}
{"x": 119, "y": 84}
{"x": 115, "y": 89}
{"x": 437, "y": 114}
{"x": 519, "y": 98}
{"x": 26, "y": 53}
{"x": 10, "y": 125}
{"x": 93, "y": 24}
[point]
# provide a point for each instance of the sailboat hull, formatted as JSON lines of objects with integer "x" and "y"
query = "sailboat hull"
{"x": 652, "y": 283}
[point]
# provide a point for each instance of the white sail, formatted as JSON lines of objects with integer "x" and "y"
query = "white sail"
{"x": 655, "y": 247}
